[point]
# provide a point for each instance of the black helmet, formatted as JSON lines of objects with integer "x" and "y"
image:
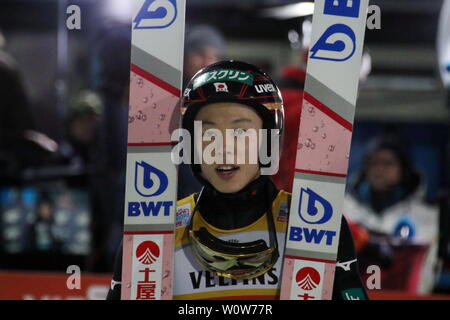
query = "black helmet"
{"x": 233, "y": 81}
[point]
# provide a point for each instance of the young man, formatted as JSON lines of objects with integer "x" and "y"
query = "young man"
{"x": 230, "y": 236}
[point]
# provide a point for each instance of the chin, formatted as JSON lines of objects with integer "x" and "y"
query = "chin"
{"x": 235, "y": 184}
{"x": 228, "y": 187}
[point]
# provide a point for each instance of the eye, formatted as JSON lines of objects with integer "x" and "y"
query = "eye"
{"x": 210, "y": 133}
{"x": 239, "y": 132}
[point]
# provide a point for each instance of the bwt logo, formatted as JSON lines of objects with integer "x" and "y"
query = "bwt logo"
{"x": 147, "y": 252}
{"x": 156, "y": 14}
{"x": 313, "y": 209}
{"x": 149, "y": 182}
{"x": 338, "y": 42}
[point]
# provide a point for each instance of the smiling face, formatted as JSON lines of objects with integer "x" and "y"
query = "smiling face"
{"x": 230, "y": 177}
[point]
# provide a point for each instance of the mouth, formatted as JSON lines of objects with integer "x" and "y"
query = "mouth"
{"x": 226, "y": 172}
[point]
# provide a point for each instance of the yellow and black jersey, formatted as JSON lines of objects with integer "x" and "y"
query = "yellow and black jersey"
{"x": 192, "y": 281}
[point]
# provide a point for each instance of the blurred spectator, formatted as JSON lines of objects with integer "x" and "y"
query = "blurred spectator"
{"x": 42, "y": 233}
{"x": 16, "y": 120}
{"x": 111, "y": 76}
{"x": 79, "y": 149}
{"x": 291, "y": 83}
{"x": 444, "y": 240}
{"x": 291, "y": 86}
{"x": 443, "y": 47}
{"x": 83, "y": 123}
{"x": 395, "y": 228}
{"x": 203, "y": 46}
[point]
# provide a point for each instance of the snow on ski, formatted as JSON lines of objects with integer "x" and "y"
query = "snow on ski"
{"x": 151, "y": 177}
{"x": 323, "y": 149}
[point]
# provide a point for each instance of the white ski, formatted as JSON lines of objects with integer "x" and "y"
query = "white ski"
{"x": 151, "y": 177}
{"x": 323, "y": 149}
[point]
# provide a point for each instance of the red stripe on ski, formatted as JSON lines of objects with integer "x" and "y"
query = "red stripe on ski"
{"x": 160, "y": 83}
{"x": 333, "y": 115}
{"x": 321, "y": 173}
{"x": 309, "y": 259}
{"x": 148, "y": 232}
{"x": 152, "y": 144}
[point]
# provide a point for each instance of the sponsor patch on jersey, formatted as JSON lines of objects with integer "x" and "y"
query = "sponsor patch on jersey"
{"x": 182, "y": 215}
{"x": 283, "y": 212}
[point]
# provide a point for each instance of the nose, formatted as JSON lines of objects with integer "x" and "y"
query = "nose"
{"x": 227, "y": 152}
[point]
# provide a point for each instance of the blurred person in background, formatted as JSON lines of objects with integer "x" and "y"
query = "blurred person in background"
{"x": 20, "y": 144}
{"x": 204, "y": 45}
{"x": 393, "y": 226}
{"x": 42, "y": 234}
{"x": 443, "y": 53}
{"x": 83, "y": 123}
{"x": 443, "y": 47}
{"x": 444, "y": 240}
{"x": 79, "y": 149}
{"x": 292, "y": 83}
{"x": 111, "y": 78}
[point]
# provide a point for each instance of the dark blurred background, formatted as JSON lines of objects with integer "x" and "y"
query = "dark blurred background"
{"x": 64, "y": 98}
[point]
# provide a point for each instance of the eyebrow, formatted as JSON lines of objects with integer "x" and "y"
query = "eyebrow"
{"x": 240, "y": 120}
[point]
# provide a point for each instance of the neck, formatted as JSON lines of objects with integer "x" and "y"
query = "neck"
{"x": 237, "y": 210}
